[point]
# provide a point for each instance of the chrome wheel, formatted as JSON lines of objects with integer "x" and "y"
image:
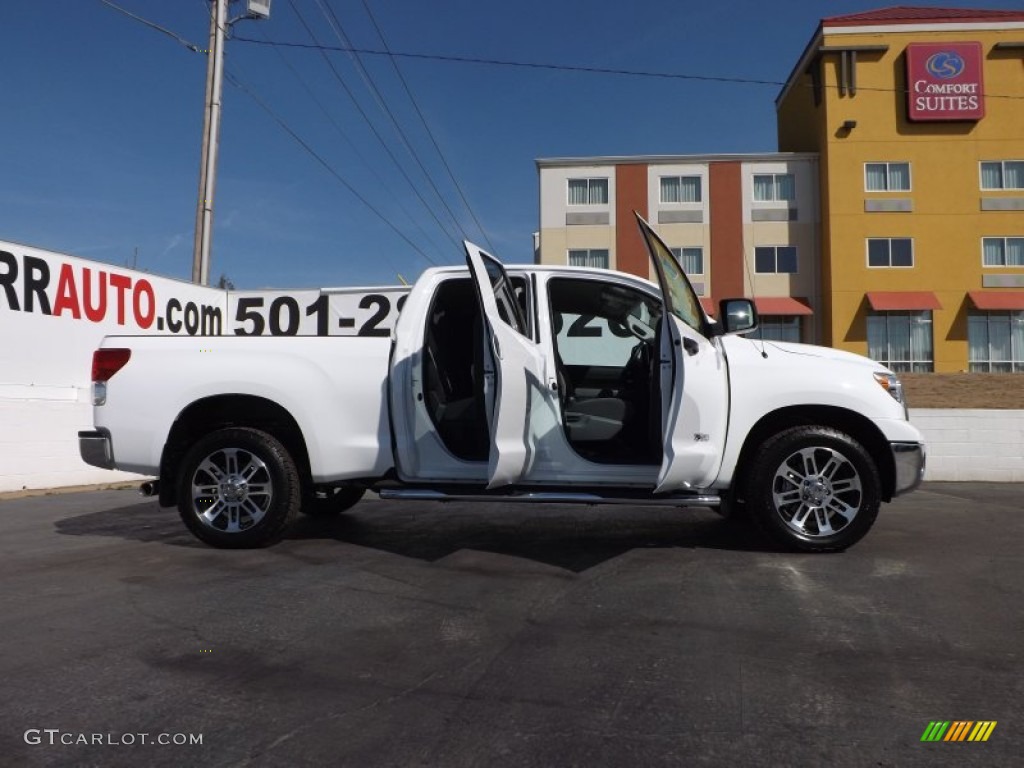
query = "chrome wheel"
{"x": 238, "y": 487}
{"x": 232, "y": 490}
{"x": 817, "y": 491}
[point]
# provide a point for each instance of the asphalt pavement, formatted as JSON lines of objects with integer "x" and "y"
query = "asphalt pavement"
{"x": 423, "y": 634}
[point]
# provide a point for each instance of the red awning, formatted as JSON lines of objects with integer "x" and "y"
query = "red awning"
{"x": 782, "y": 305}
{"x": 886, "y": 301}
{"x": 709, "y": 305}
{"x": 989, "y": 300}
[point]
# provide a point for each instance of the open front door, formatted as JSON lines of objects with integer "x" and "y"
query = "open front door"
{"x": 512, "y": 365}
{"x": 694, "y": 380}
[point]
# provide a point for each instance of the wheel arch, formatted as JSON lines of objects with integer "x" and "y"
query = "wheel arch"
{"x": 230, "y": 410}
{"x": 857, "y": 426}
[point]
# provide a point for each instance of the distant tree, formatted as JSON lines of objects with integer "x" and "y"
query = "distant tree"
{"x": 225, "y": 282}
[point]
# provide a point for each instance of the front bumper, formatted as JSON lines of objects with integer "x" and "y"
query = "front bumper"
{"x": 909, "y": 459}
{"x": 95, "y": 449}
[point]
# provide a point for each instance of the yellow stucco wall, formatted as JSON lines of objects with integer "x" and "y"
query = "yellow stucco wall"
{"x": 946, "y": 223}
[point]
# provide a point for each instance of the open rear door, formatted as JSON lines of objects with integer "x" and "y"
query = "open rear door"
{"x": 512, "y": 365}
{"x": 694, "y": 379}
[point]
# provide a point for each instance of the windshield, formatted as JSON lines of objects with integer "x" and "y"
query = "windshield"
{"x": 680, "y": 298}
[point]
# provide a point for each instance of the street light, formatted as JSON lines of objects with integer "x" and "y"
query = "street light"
{"x": 257, "y": 9}
{"x": 219, "y": 24}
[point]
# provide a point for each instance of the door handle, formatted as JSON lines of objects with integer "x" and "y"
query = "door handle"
{"x": 690, "y": 346}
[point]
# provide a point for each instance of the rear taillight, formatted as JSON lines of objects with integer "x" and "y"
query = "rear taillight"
{"x": 107, "y": 362}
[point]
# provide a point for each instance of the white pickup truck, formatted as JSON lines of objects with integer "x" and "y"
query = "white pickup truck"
{"x": 521, "y": 384}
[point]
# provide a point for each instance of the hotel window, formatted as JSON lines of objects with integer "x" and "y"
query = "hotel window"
{"x": 775, "y": 259}
{"x": 887, "y": 177}
{"x": 589, "y": 257}
{"x": 588, "y": 191}
{"x": 680, "y": 189}
{"x": 1002, "y": 251}
{"x": 996, "y": 342}
{"x": 772, "y": 187}
{"x": 890, "y": 252}
{"x": 777, "y": 328}
{"x": 901, "y": 340}
{"x": 690, "y": 259}
{"x": 1007, "y": 174}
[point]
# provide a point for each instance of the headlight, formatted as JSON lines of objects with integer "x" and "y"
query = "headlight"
{"x": 891, "y": 384}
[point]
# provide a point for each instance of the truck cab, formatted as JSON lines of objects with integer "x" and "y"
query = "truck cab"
{"x": 546, "y": 379}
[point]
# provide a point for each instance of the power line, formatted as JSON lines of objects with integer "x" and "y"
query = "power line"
{"x": 423, "y": 120}
{"x": 496, "y": 62}
{"x": 327, "y": 166}
{"x": 284, "y": 126}
{"x": 373, "y": 128}
{"x": 341, "y": 132}
{"x": 339, "y": 31}
{"x": 152, "y": 25}
{"x": 510, "y": 63}
{"x": 566, "y": 67}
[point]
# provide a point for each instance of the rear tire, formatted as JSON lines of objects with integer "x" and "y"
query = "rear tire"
{"x": 334, "y": 503}
{"x": 238, "y": 488}
{"x": 813, "y": 489}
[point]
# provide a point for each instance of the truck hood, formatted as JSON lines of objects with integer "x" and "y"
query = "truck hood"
{"x": 812, "y": 350}
{"x": 777, "y": 374}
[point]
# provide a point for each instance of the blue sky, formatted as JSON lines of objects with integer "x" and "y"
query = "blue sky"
{"x": 103, "y": 120}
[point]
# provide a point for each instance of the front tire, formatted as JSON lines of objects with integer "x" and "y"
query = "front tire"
{"x": 238, "y": 488}
{"x": 813, "y": 489}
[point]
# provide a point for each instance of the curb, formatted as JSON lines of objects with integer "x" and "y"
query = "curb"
{"x": 125, "y": 485}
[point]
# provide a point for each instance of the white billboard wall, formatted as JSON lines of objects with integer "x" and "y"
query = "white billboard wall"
{"x": 55, "y": 309}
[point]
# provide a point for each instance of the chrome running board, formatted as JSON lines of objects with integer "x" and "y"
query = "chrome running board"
{"x": 550, "y": 497}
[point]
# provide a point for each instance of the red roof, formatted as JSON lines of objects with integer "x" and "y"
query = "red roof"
{"x": 782, "y": 305}
{"x": 995, "y": 300}
{"x": 913, "y": 14}
{"x": 887, "y": 301}
{"x": 768, "y": 305}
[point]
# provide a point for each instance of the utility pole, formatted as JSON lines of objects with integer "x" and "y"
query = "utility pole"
{"x": 219, "y": 25}
{"x": 211, "y": 138}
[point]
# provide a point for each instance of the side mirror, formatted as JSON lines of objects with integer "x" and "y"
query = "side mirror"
{"x": 737, "y": 315}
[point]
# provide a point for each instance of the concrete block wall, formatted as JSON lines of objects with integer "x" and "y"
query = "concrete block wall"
{"x": 972, "y": 445}
{"x": 39, "y": 443}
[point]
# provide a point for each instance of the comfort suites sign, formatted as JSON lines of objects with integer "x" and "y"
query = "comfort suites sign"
{"x": 944, "y": 81}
